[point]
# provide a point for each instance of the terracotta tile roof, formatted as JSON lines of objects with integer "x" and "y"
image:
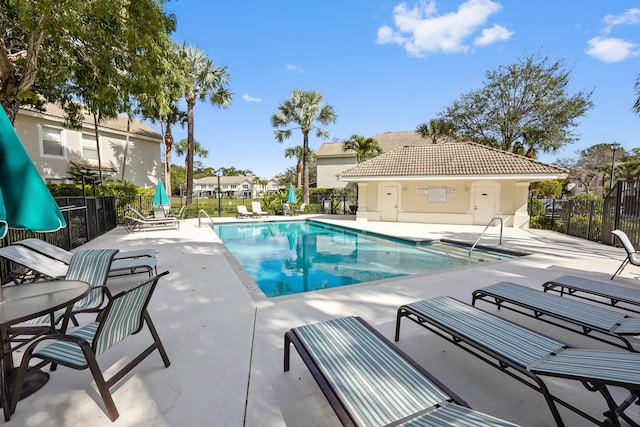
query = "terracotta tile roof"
{"x": 387, "y": 142}
{"x": 137, "y": 127}
{"x": 449, "y": 159}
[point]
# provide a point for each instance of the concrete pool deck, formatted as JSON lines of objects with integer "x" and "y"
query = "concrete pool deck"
{"x": 225, "y": 341}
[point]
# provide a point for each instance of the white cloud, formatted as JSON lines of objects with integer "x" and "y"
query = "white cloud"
{"x": 611, "y": 49}
{"x": 249, "y": 98}
{"x": 492, "y": 35}
{"x": 630, "y": 17}
{"x": 291, "y": 67}
{"x": 421, "y": 30}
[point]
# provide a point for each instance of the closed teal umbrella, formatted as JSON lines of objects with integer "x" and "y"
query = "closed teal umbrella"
{"x": 291, "y": 197}
{"x": 25, "y": 200}
{"x": 160, "y": 198}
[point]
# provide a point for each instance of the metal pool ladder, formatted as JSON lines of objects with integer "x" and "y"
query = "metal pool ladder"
{"x": 485, "y": 229}
{"x": 202, "y": 211}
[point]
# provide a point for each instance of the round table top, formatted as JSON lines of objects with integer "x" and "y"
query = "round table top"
{"x": 27, "y": 301}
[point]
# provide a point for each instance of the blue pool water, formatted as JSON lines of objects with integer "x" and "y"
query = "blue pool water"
{"x": 301, "y": 256}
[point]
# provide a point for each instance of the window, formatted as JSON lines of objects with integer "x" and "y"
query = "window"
{"x": 52, "y": 142}
{"x": 233, "y": 186}
{"x": 245, "y": 186}
{"x": 89, "y": 149}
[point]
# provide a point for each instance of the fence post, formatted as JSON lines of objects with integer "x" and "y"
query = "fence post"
{"x": 591, "y": 203}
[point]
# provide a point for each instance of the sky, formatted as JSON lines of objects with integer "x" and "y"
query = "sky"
{"x": 387, "y": 66}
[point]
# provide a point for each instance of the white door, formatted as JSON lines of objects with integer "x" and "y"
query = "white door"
{"x": 484, "y": 204}
{"x": 389, "y": 204}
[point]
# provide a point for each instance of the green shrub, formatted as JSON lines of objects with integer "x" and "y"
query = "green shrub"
{"x": 540, "y": 222}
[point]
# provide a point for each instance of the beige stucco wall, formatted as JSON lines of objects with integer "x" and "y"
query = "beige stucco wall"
{"x": 329, "y": 167}
{"x": 459, "y": 207}
{"x": 143, "y": 166}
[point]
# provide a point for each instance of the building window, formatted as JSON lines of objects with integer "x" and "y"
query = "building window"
{"x": 51, "y": 142}
{"x": 89, "y": 149}
{"x": 245, "y": 186}
{"x": 233, "y": 186}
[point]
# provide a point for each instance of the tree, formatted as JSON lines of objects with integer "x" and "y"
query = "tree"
{"x": 206, "y": 83}
{"x": 298, "y": 153}
{"x": 592, "y": 167}
{"x": 232, "y": 171}
{"x": 437, "y": 129}
{"x": 303, "y": 108}
{"x": 636, "y": 87}
{"x": 47, "y": 46}
{"x": 182, "y": 147}
{"x": 524, "y": 108}
{"x": 365, "y": 148}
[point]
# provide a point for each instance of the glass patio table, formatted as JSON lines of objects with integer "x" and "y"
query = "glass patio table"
{"x": 23, "y": 302}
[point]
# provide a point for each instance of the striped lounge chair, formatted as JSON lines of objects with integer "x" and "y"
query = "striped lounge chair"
{"x": 597, "y": 322}
{"x": 124, "y": 315}
{"x": 125, "y": 262}
{"x": 529, "y": 356}
{"x": 353, "y": 365}
{"x": 622, "y": 297}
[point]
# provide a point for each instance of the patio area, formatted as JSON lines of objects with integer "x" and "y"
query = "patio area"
{"x": 225, "y": 340}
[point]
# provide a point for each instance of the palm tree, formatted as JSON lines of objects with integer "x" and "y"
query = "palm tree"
{"x": 298, "y": 153}
{"x": 365, "y": 148}
{"x": 207, "y": 82}
{"x": 182, "y": 147}
{"x": 437, "y": 129}
{"x": 303, "y": 108}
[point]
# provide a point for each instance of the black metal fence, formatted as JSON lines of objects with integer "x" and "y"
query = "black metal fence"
{"x": 592, "y": 219}
{"x": 86, "y": 217}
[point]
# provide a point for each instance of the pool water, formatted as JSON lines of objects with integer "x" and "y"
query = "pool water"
{"x": 300, "y": 256}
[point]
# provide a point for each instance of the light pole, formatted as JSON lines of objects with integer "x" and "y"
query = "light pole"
{"x": 219, "y": 201}
{"x": 614, "y": 147}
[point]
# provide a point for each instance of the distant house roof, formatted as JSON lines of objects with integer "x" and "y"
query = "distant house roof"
{"x": 224, "y": 180}
{"x": 459, "y": 160}
{"x": 387, "y": 142}
{"x": 137, "y": 127}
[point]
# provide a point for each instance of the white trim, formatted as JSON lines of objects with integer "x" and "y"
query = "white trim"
{"x": 453, "y": 177}
{"x": 63, "y": 142}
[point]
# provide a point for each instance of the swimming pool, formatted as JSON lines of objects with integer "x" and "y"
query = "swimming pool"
{"x": 290, "y": 257}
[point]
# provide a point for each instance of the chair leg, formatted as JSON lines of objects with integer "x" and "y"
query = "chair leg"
{"x": 103, "y": 389}
{"x": 156, "y": 338}
{"x": 622, "y": 266}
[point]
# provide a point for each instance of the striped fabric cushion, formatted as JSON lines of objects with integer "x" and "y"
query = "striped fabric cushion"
{"x": 513, "y": 342}
{"x": 67, "y": 352}
{"x": 90, "y": 266}
{"x": 124, "y": 317}
{"x": 374, "y": 383}
{"x": 582, "y": 312}
{"x": 610, "y": 367}
{"x": 455, "y": 416}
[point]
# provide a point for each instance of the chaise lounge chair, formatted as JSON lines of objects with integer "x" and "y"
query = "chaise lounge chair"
{"x": 633, "y": 256}
{"x": 596, "y": 291}
{"x": 300, "y": 210}
{"x": 31, "y": 265}
{"x": 130, "y": 262}
{"x": 64, "y": 255}
{"x": 136, "y": 221}
{"x": 577, "y": 316}
{"x": 242, "y": 212}
{"x": 256, "y": 210}
{"x": 354, "y": 366}
{"x": 528, "y": 356}
{"x": 286, "y": 210}
{"x": 27, "y": 265}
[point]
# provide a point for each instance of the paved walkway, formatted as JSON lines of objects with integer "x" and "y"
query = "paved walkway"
{"x": 226, "y": 343}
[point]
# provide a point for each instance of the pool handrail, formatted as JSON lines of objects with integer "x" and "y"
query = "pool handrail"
{"x": 485, "y": 229}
